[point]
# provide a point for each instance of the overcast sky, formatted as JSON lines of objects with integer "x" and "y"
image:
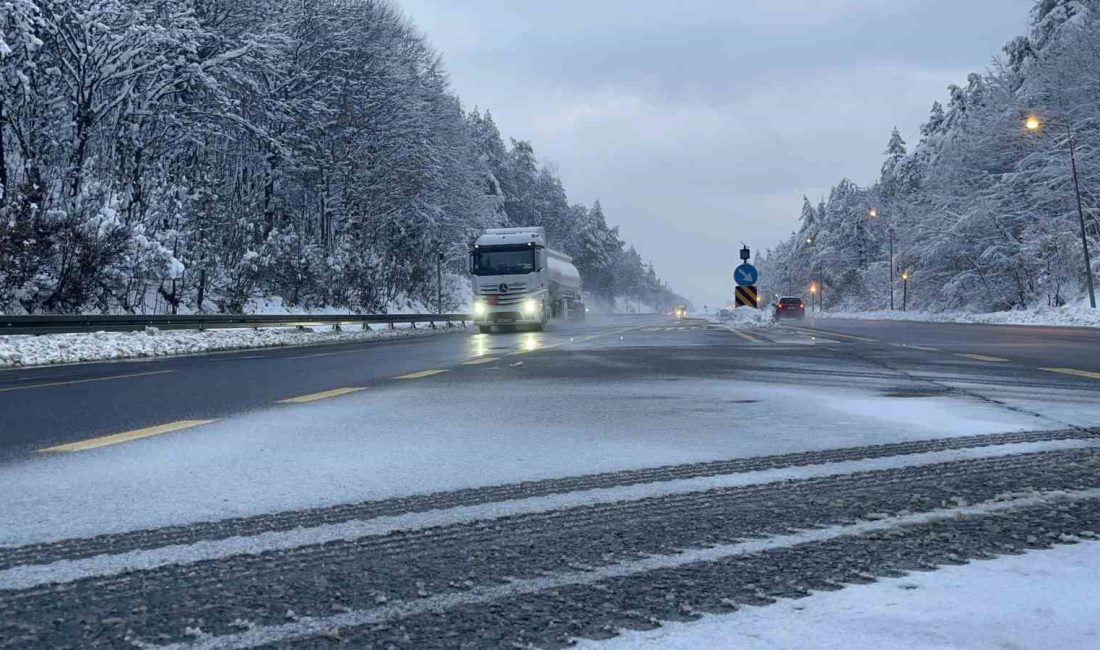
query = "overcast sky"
{"x": 700, "y": 124}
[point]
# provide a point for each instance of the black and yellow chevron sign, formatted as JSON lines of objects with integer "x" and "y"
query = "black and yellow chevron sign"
{"x": 747, "y": 297}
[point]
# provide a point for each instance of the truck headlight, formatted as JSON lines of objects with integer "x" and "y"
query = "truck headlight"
{"x": 480, "y": 309}
{"x": 530, "y": 307}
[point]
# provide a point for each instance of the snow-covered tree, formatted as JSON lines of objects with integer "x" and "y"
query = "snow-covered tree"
{"x": 983, "y": 211}
{"x": 203, "y": 154}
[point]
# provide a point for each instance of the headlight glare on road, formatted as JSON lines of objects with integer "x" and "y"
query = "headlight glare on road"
{"x": 530, "y": 307}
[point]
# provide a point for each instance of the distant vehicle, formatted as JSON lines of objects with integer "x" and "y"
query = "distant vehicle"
{"x": 681, "y": 311}
{"x": 790, "y": 307}
{"x": 518, "y": 281}
{"x": 724, "y": 314}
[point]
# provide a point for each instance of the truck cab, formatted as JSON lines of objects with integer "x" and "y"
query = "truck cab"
{"x": 518, "y": 281}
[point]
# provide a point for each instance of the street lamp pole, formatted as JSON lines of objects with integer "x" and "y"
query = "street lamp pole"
{"x": 891, "y": 269}
{"x": 439, "y": 282}
{"x": 1081, "y": 217}
{"x": 873, "y": 212}
{"x": 1033, "y": 123}
{"x": 904, "y": 290}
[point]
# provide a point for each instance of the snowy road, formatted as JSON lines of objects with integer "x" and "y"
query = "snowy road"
{"x": 468, "y": 490}
{"x": 1065, "y": 349}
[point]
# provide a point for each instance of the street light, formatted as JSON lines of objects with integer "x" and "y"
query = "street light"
{"x": 813, "y": 295}
{"x": 873, "y": 213}
{"x": 1033, "y": 123}
{"x": 904, "y": 289}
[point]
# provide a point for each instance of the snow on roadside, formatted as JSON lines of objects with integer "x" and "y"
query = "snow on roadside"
{"x": 1075, "y": 315}
{"x": 746, "y": 318}
{"x": 103, "y": 346}
{"x": 1042, "y": 599}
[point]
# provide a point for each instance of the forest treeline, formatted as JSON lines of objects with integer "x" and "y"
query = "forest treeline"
{"x": 982, "y": 211}
{"x": 203, "y": 155}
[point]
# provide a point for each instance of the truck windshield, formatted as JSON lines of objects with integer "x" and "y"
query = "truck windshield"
{"x": 503, "y": 262}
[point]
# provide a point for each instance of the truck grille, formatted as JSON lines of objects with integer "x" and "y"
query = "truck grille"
{"x": 515, "y": 294}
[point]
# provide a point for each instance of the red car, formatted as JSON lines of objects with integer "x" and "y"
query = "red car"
{"x": 790, "y": 308}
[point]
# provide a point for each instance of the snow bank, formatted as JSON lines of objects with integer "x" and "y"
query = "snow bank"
{"x": 1075, "y": 315}
{"x": 745, "y": 317}
{"x": 102, "y": 346}
{"x": 1042, "y": 599}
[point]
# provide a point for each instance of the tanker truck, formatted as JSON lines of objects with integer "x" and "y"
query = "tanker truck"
{"x": 518, "y": 281}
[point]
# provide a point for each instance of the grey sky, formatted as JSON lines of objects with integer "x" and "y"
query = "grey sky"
{"x": 700, "y": 124}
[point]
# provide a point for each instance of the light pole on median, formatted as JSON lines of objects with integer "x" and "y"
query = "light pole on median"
{"x": 1033, "y": 123}
{"x": 904, "y": 290}
{"x": 873, "y": 213}
{"x": 439, "y": 282}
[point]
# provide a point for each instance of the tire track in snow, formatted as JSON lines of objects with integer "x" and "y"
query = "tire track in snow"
{"x": 117, "y": 543}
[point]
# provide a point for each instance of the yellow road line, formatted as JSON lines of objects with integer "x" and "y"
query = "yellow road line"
{"x": 478, "y": 362}
{"x": 321, "y": 354}
{"x": 750, "y": 339}
{"x": 127, "y": 436}
{"x": 84, "y": 381}
{"x": 922, "y": 348}
{"x": 982, "y": 357}
{"x": 828, "y": 333}
{"x": 313, "y": 397}
{"x": 422, "y": 374}
{"x": 1074, "y": 372}
{"x": 591, "y": 337}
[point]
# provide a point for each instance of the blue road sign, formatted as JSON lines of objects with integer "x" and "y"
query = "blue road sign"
{"x": 746, "y": 275}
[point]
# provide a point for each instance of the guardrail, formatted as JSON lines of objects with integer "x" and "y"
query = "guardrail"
{"x": 70, "y": 324}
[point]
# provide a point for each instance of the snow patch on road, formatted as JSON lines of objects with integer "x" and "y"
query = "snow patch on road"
{"x": 436, "y": 437}
{"x": 1074, "y": 315}
{"x": 104, "y": 346}
{"x": 28, "y": 576}
{"x": 313, "y": 626}
{"x": 1042, "y": 599}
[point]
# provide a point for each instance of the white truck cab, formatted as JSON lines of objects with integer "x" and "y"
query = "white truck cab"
{"x": 518, "y": 281}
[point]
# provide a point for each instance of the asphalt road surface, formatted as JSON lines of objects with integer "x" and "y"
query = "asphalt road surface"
{"x": 47, "y": 406}
{"x": 1065, "y": 348}
{"x": 530, "y": 489}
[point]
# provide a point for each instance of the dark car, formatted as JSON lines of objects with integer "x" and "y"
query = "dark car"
{"x": 790, "y": 307}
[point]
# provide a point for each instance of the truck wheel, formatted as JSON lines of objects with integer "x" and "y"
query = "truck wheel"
{"x": 485, "y": 329}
